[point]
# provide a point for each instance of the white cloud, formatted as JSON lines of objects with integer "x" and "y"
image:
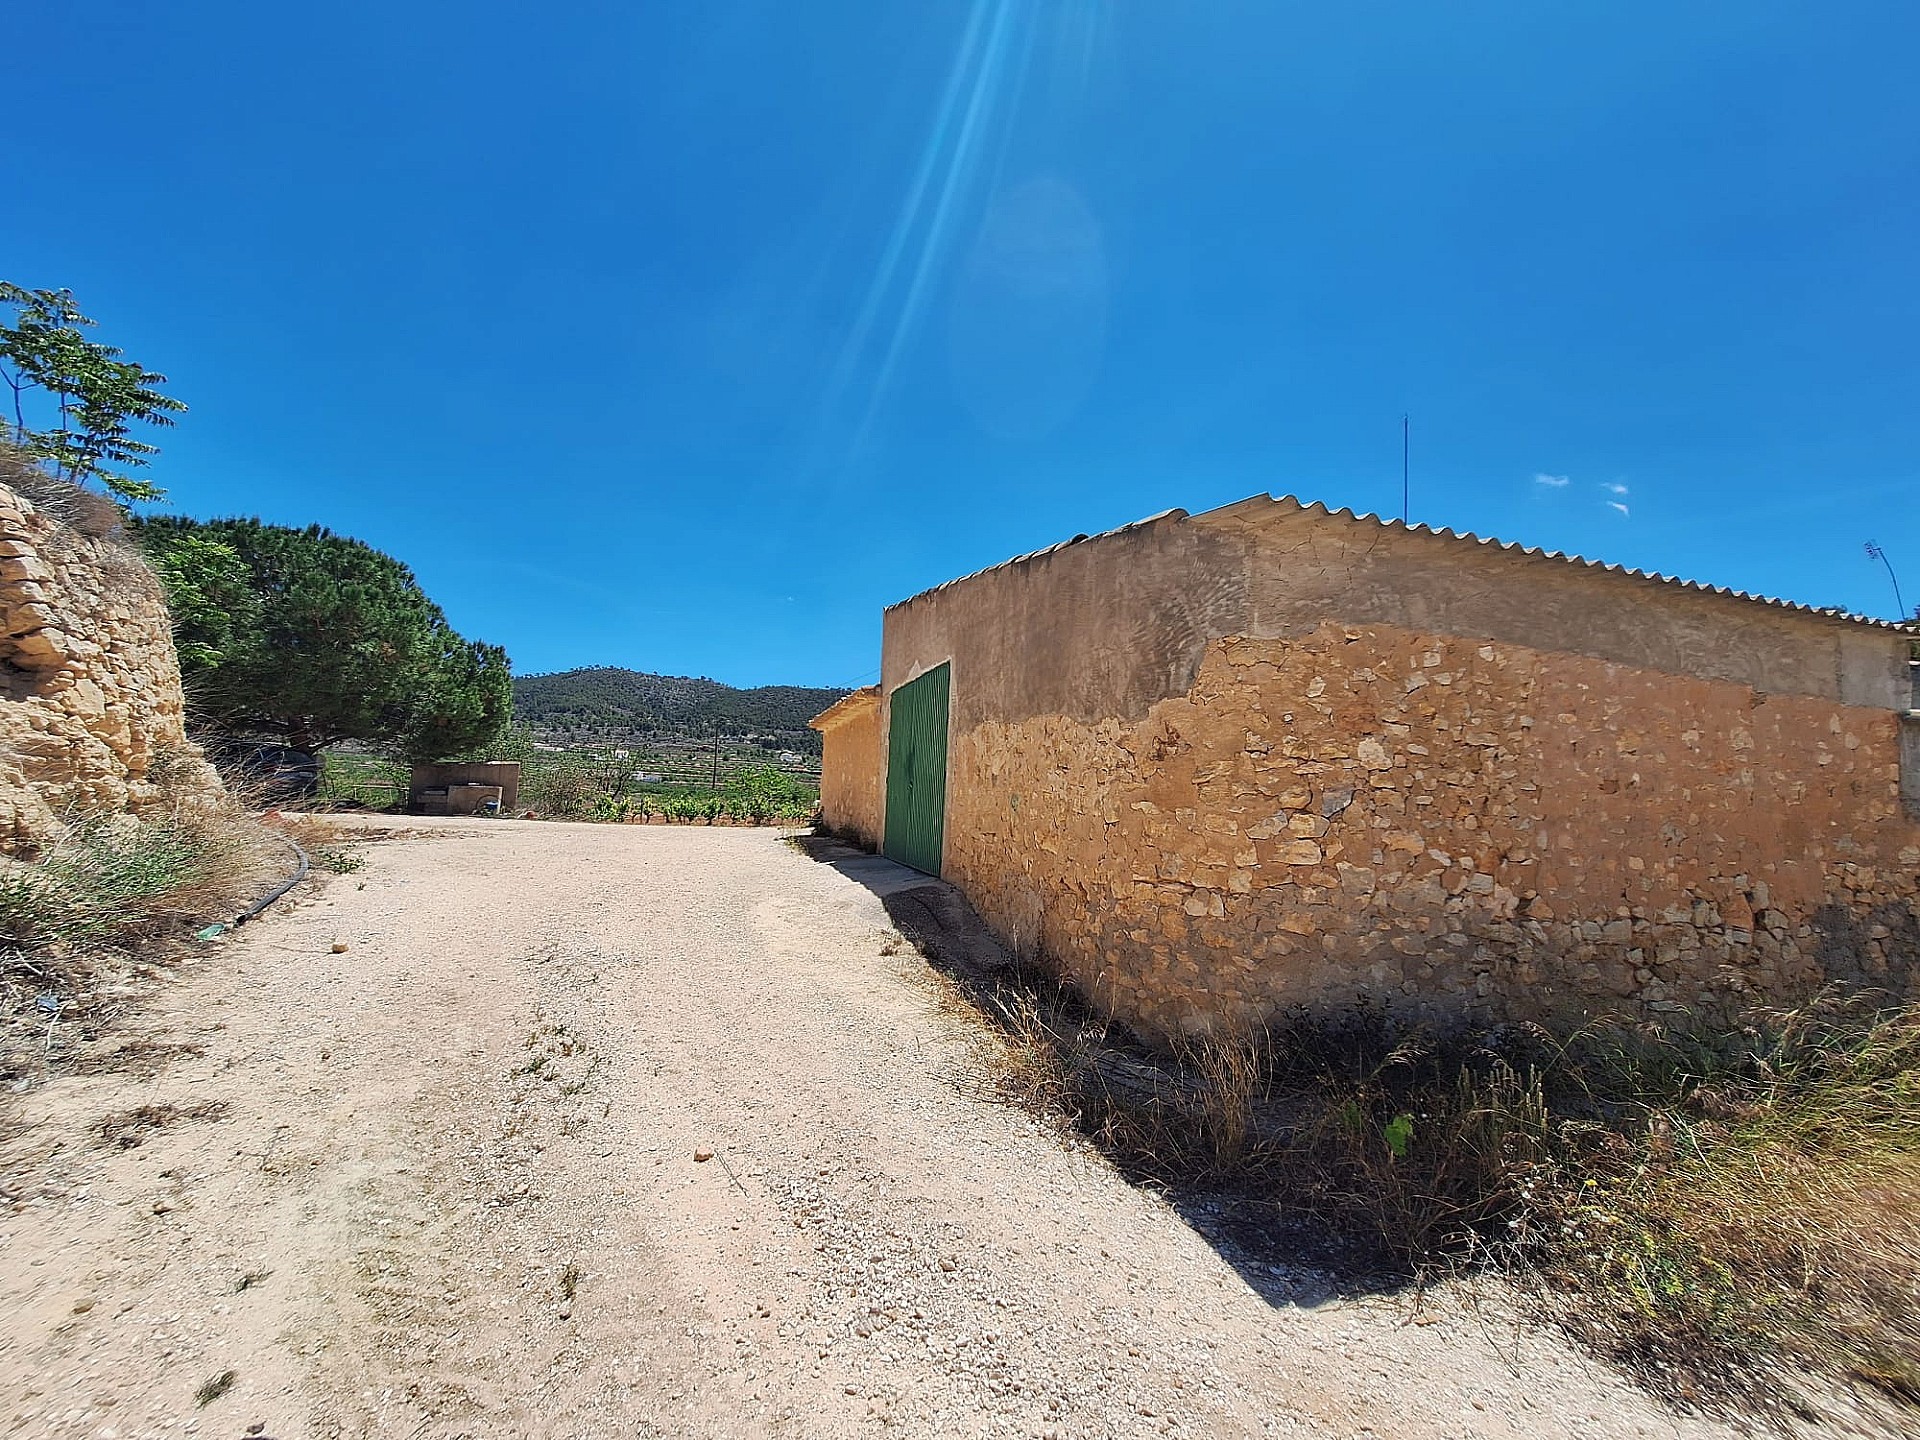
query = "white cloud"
{"x": 1616, "y": 505}
{"x": 1616, "y": 488}
{"x": 1554, "y": 482}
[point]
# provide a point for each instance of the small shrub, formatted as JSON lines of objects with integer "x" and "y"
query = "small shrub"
{"x": 211, "y": 1390}
{"x": 758, "y": 794}
{"x": 336, "y": 860}
{"x": 95, "y": 879}
{"x": 564, "y": 794}
{"x": 109, "y": 881}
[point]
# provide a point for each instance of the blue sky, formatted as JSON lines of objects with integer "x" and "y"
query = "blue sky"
{"x": 686, "y": 337}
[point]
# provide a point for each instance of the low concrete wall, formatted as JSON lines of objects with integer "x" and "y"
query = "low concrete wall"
{"x": 1218, "y": 766}
{"x": 852, "y": 774}
{"x": 503, "y": 773}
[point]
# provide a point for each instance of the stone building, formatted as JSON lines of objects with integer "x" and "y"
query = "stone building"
{"x": 1213, "y": 766}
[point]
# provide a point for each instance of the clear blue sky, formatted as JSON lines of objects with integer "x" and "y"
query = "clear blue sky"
{"x": 688, "y": 336}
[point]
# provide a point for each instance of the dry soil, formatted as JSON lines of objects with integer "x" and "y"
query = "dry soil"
{"x": 421, "y": 1155}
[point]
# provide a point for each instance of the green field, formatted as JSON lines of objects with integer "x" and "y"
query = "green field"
{"x": 681, "y": 781}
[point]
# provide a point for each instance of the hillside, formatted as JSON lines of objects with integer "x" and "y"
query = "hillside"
{"x": 608, "y": 700}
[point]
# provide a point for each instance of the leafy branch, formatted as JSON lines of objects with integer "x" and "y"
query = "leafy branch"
{"x": 98, "y": 396}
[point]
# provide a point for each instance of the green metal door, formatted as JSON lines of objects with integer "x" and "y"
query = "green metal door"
{"x": 917, "y": 771}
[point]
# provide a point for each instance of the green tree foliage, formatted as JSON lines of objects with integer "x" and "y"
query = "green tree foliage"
{"x": 211, "y": 596}
{"x": 467, "y": 699}
{"x": 97, "y": 396}
{"x": 324, "y": 639}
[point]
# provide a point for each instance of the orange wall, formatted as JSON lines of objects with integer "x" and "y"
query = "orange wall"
{"x": 851, "y": 780}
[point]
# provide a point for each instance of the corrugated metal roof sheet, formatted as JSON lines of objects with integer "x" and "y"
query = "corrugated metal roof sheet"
{"x": 1461, "y": 537}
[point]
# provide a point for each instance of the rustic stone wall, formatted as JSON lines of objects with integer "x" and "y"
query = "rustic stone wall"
{"x": 852, "y": 775}
{"x": 1446, "y": 826}
{"x": 90, "y": 702}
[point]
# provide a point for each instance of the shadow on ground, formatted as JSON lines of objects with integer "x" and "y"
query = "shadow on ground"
{"x": 1286, "y": 1261}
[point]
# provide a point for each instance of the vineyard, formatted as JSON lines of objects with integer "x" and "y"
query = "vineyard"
{"x": 673, "y": 780}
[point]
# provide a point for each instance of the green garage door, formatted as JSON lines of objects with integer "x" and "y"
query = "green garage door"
{"x": 917, "y": 771}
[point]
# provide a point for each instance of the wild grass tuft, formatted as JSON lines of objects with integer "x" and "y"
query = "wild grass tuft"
{"x": 116, "y": 882}
{"x": 1734, "y": 1216}
{"x": 96, "y": 879}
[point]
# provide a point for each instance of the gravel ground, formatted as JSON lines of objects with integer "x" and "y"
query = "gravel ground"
{"x": 647, "y": 1131}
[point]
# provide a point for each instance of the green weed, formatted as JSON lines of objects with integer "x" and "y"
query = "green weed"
{"x": 100, "y": 878}
{"x": 212, "y": 1390}
{"x": 337, "y": 860}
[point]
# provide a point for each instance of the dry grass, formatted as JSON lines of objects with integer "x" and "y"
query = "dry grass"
{"x": 111, "y": 895}
{"x": 87, "y": 925}
{"x": 110, "y": 881}
{"x": 1754, "y": 1221}
{"x": 1734, "y": 1217}
{"x": 125, "y": 1129}
{"x": 87, "y": 512}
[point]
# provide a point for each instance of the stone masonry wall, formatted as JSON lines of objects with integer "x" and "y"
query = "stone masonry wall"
{"x": 1447, "y": 826}
{"x": 90, "y": 701}
{"x": 852, "y": 773}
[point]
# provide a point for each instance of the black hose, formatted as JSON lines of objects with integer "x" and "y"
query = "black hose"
{"x": 298, "y": 876}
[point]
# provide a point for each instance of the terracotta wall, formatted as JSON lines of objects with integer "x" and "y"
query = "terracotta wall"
{"x": 852, "y": 788}
{"x": 1597, "y": 794}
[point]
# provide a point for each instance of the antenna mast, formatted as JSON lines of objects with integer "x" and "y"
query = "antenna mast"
{"x": 1406, "y": 467}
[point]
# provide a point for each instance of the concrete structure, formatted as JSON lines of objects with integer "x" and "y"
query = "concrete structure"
{"x": 91, "y": 711}
{"x": 453, "y": 787}
{"x": 1216, "y": 765}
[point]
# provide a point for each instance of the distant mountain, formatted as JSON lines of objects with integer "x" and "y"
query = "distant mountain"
{"x": 605, "y": 698}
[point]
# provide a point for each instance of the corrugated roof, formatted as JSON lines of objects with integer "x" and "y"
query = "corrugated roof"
{"x": 1463, "y": 537}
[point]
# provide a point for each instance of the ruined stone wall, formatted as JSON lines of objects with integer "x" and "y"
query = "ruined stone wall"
{"x": 852, "y": 776}
{"x": 1446, "y": 826}
{"x": 90, "y": 700}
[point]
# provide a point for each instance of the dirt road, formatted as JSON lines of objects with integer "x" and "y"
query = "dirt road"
{"x": 448, "y": 1182}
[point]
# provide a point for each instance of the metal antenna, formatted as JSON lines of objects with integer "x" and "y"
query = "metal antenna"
{"x": 1406, "y": 467}
{"x": 1874, "y": 552}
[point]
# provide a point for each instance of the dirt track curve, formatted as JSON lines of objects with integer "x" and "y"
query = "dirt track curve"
{"x": 445, "y": 1183}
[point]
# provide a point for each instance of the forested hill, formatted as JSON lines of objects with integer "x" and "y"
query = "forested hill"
{"x": 608, "y": 699}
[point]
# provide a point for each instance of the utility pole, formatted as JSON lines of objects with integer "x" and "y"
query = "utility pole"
{"x": 1874, "y": 552}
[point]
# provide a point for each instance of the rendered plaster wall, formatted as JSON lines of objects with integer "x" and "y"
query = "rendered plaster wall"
{"x": 852, "y": 778}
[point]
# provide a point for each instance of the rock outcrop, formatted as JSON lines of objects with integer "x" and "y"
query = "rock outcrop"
{"x": 91, "y": 710}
